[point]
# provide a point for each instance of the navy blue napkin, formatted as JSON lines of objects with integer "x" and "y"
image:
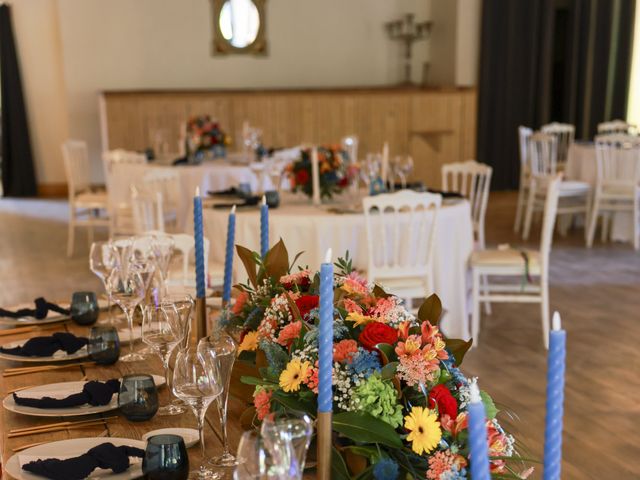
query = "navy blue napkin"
{"x": 40, "y": 312}
{"x": 94, "y": 393}
{"x": 47, "y": 346}
{"x": 105, "y": 455}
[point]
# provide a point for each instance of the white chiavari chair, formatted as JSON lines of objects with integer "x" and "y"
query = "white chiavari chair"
{"x": 616, "y": 126}
{"x": 87, "y": 208}
{"x": 564, "y": 134}
{"x": 401, "y": 230}
{"x": 184, "y": 276}
{"x": 574, "y": 196}
{"x": 501, "y": 264}
{"x": 165, "y": 184}
{"x": 523, "y": 188}
{"x": 617, "y": 184}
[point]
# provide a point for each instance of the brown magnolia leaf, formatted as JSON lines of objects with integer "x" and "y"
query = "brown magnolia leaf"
{"x": 247, "y": 417}
{"x": 431, "y": 310}
{"x": 379, "y": 292}
{"x": 276, "y": 262}
{"x": 458, "y": 348}
{"x": 294, "y": 308}
{"x": 249, "y": 263}
{"x": 295, "y": 259}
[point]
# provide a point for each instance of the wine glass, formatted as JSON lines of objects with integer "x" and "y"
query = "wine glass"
{"x": 254, "y": 461}
{"x": 162, "y": 331}
{"x": 196, "y": 382}
{"x": 287, "y": 437}
{"x": 103, "y": 258}
{"x": 126, "y": 287}
{"x": 404, "y": 167}
{"x": 221, "y": 349}
{"x": 162, "y": 247}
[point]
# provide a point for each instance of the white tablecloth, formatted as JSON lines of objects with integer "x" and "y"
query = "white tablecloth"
{"x": 581, "y": 165}
{"x": 216, "y": 175}
{"x": 315, "y": 229}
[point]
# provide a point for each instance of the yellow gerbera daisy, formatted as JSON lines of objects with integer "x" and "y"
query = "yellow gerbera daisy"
{"x": 295, "y": 373}
{"x": 359, "y": 319}
{"x": 249, "y": 342}
{"x": 424, "y": 428}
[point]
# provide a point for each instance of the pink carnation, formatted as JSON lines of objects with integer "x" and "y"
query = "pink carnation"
{"x": 240, "y": 303}
{"x": 262, "y": 402}
{"x": 383, "y": 306}
{"x": 312, "y": 379}
{"x": 289, "y": 333}
{"x": 351, "y": 306}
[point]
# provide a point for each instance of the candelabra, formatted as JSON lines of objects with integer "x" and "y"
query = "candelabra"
{"x": 409, "y": 32}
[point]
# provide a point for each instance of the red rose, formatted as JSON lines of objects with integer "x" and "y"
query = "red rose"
{"x": 302, "y": 177}
{"x": 375, "y": 333}
{"x": 441, "y": 396}
{"x": 306, "y": 303}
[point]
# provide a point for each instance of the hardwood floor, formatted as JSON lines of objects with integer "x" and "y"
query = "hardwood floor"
{"x": 597, "y": 292}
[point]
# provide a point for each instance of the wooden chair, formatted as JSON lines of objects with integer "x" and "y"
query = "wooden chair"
{"x": 564, "y": 134}
{"x": 87, "y": 208}
{"x": 575, "y": 196}
{"x": 617, "y": 185}
{"x": 401, "y": 230}
{"x": 523, "y": 189}
{"x": 519, "y": 265}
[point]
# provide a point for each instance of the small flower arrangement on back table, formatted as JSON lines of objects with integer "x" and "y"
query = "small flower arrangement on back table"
{"x": 204, "y": 134}
{"x": 333, "y": 178}
{"x": 400, "y": 398}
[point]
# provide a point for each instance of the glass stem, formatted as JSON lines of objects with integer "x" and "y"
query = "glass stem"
{"x": 221, "y": 403}
{"x": 129, "y": 313}
{"x": 200, "y": 413}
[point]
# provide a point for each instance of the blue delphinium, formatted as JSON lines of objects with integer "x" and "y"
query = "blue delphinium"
{"x": 454, "y": 474}
{"x": 364, "y": 362}
{"x": 386, "y": 469}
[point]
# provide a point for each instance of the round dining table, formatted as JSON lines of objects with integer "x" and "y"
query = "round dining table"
{"x": 313, "y": 229}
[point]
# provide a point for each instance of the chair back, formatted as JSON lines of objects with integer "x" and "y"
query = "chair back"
{"x": 76, "y": 166}
{"x": 549, "y": 220}
{"x": 542, "y": 154}
{"x": 615, "y": 126}
{"x": 401, "y": 229}
{"x": 185, "y": 244}
{"x": 523, "y": 141}
{"x": 120, "y": 156}
{"x": 147, "y": 210}
{"x": 618, "y": 160}
{"x": 564, "y": 134}
{"x": 471, "y": 180}
{"x": 350, "y": 145}
{"x": 164, "y": 181}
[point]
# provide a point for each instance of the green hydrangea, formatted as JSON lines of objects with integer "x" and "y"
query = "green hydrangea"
{"x": 378, "y": 397}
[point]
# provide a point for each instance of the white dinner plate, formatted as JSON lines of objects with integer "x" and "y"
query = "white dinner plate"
{"x": 62, "y": 390}
{"x": 61, "y": 356}
{"x": 190, "y": 435}
{"x": 52, "y": 317}
{"x": 73, "y": 448}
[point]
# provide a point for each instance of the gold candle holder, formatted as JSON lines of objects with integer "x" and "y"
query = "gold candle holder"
{"x": 323, "y": 442}
{"x": 200, "y": 319}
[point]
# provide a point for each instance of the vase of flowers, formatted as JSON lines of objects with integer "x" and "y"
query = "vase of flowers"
{"x": 399, "y": 398}
{"x": 334, "y": 176}
{"x": 205, "y": 139}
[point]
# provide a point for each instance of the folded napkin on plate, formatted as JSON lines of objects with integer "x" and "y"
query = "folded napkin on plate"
{"x": 41, "y": 311}
{"x": 47, "y": 346}
{"x": 94, "y": 393}
{"x": 105, "y": 455}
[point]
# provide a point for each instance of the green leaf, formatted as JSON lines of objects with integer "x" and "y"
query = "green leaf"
{"x": 387, "y": 352}
{"x": 295, "y": 404}
{"x": 249, "y": 263}
{"x": 254, "y": 381}
{"x": 276, "y": 262}
{"x": 489, "y": 407}
{"x": 389, "y": 370}
{"x": 339, "y": 469}
{"x": 370, "y": 453}
{"x": 458, "y": 348}
{"x": 431, "y": 310}
{"x": 362, "y": 427}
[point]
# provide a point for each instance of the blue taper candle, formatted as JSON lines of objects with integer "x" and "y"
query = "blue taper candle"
{"x": 228, "y": 259}
{"x": 478, "y": 444}
{"x": 325, "y": 337}
{"x": 199, "y": 245}
{"x": 555, "y": 400}
{"x": 264, "y": 227}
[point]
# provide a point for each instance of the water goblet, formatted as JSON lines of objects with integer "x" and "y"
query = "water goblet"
{"x": 220, "y": 348}
{"x": 104, "y": 345}
{"x": 196, "y": 382}
{"x": 138, "y": 397}
{"x": 165, "y": 458}
{"x": 287, "y": 437}
{"x": 127, "y": 290}
{"x": 162, "y": 331}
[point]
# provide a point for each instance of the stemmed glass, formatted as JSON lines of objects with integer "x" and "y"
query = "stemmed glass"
{"x": 196, "y": 381}
{"x": 127, "y": 289}
{"x": 254, "y": 461}
{"x": 403, "y": 166}
{"x": 162, "y": 331}
{"x": 103, "y": 258}
{"x": 162, "y": 248}
{"x": 287, "y": 438}
{"x": 221, "y": 349}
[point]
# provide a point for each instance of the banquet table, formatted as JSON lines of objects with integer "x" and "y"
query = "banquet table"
{"x": 312, "y": 230}
{"x": 581, "y": 165}
{"x": 119, "y": 427}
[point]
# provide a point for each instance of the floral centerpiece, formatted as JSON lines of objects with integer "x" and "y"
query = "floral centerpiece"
{"x": 400, "y": 399}
{"x": 205, "y": 135}
{"x": 334, "y": 176}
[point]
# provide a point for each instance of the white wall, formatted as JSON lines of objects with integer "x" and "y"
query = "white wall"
{"x": 143, "y": 44}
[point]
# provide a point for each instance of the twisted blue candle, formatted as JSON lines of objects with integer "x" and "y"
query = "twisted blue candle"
{"x": 199, "y": 245}
{"x": 228, "y": 259}
{"x": 325, "y": 338}
{"x": 478, "y": 446}
{"x": 555, "y": 400}
{"x": 264, "y": 227}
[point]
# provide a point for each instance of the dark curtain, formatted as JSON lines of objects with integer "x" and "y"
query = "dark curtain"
{"x": 549, "y": 60}
{"x": 18, "y": 176}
